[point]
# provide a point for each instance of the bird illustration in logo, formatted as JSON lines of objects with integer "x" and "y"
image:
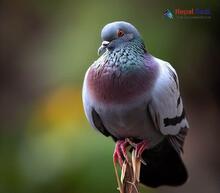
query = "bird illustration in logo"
{"x": 168, "y": 14}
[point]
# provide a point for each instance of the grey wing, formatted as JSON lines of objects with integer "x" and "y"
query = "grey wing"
{"x": 98, "y": 123}
{"x": 166, "y": 107}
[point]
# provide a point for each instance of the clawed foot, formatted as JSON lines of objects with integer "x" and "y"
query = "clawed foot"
{"x": 139, "y": 148}
{"x": 120, "y": 153}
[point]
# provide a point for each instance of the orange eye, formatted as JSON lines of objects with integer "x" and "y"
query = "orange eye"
{"x": 120, "y": 33}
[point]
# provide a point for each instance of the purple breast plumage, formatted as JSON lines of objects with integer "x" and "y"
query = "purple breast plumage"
{"x": 120, "y": 83}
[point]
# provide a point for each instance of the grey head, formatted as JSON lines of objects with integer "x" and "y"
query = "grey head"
{"x": 116, "y": 33}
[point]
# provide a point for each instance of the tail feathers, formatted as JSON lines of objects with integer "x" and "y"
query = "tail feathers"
{"x": 164, "y": 166}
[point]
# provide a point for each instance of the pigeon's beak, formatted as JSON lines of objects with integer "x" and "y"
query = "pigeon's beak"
{"x": 103, "y": 47}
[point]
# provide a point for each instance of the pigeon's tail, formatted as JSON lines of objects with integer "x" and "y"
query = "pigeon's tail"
{"x": 164, "y": 166}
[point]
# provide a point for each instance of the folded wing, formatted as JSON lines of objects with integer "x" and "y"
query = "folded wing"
{"x": 166, "y": 107}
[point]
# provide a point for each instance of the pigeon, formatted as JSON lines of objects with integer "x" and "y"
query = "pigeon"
{"x": 134, "y": 97}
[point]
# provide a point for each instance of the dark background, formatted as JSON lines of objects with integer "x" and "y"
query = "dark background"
{"x": 46, "y": 144}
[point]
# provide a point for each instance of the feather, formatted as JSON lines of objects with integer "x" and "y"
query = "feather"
{"x": 177, "y": 141}
{"x": 166, "y": 107}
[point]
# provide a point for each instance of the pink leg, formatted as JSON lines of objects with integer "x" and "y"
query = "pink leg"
{"x": 140, "y": 147}
{"x": 120, "y": 152}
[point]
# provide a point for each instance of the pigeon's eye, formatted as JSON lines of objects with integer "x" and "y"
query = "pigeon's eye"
{"x": 120, "y": 33}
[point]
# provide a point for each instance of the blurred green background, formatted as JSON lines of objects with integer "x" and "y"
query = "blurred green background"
{"x": 46, "y": 143}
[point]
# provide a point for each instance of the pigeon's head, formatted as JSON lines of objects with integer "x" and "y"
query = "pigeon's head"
{"x": 117, "y": 33}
